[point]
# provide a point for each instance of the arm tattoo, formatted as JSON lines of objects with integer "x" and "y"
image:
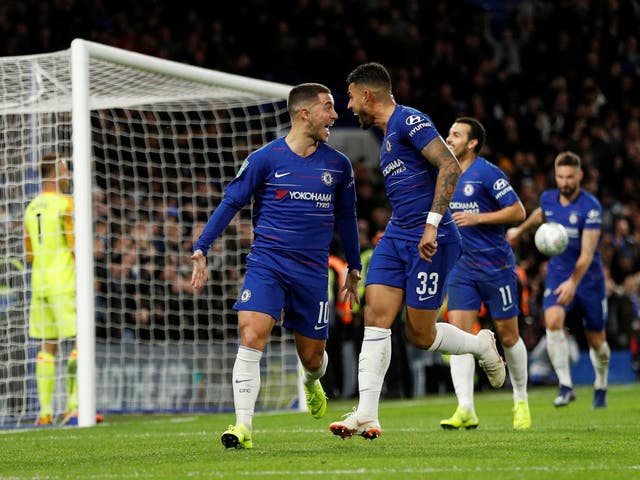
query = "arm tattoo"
{"x": 439, "y": 155}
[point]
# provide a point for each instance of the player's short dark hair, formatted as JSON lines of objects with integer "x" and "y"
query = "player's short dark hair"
{"x": 372, "y": 73}
{"x": 303, "y": 94}
{"x": 567, "y": 159}
{"x": 48, "y": 165}
{"x": 477, "y": 131}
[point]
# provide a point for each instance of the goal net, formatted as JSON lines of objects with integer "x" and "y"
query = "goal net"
{"x": 153, "y": 144}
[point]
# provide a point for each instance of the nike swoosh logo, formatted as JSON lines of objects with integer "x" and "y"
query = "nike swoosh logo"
{"x": 242, "y": 381}
{"x": 359, "y": 423}
{"x": 504, "y": 309}
{"x": 422, "y": 299}
{"x": 319, "y": 327}
{"x": 280, "y": 175}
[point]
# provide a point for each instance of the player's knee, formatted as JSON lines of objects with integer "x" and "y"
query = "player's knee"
{"x": 252, "y": 339}
{"x": 378, "y": 318}
{"x": 553, "y": 324}
{"x": 554, "y": 318}
{"x": 508, "y": 338}
{"x": 421, "y": 339}
{"x": 311, "y": 363}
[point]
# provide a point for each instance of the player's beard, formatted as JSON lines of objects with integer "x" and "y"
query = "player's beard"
{"x": 568, "y": 192}
{"x": 365, "y": 124}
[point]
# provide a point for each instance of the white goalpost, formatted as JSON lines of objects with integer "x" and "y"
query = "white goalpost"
{"x": 153, "y": 144}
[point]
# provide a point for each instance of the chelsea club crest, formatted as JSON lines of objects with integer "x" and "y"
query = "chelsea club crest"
{"x": 326, "y": 178}
{"x": 245, "y": 295}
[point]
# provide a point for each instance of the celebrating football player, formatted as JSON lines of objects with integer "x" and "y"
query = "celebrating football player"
{"x": 482, "y": 204}
{"x": 580, "y": 264}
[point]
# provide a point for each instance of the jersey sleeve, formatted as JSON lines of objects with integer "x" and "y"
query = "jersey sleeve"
{"x": 346, "y": 218}
{"x": 545, "y": 198}
{"x": 417, "y": 128}
{"x": 593, "y": 218}
{"x": 237, "y": 194}
{"x": 498, "y": 185}
{"x": 251, "y": 174}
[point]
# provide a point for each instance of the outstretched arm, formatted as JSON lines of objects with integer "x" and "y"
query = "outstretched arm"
{"x": 511, "y": 214}
{"x": 535, "y": 219}
{"x": 215, "y": 226}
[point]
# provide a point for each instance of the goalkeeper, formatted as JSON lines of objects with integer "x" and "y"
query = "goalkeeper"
{"x": 302, "y": 188}
{"x": 49, "y": 243}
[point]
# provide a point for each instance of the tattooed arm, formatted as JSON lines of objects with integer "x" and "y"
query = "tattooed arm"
{"x": 437, "y": 153}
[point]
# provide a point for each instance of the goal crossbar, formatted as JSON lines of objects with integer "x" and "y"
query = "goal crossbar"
{"x": 180, "y": 70}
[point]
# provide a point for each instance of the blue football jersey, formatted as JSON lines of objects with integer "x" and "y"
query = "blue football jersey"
{"x": 584, "y": 213}
{"x": 296, "y": 200}
{"x": 409, "y": 178}
{"x": 483, "y": 187}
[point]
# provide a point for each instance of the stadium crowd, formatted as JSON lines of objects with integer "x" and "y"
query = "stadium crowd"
{"x": 542, "y": 76}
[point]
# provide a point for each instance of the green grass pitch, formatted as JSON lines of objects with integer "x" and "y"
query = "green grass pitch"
{"x": 573, "y": 442}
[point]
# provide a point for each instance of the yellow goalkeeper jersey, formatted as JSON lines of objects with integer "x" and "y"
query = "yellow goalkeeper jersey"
{"x": 49, "y": 242}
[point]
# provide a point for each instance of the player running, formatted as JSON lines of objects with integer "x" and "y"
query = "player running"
{"x": 580, "y": 264}
{"x": 421, "y": 243}
{"x": 301, "y": 189}
{"x": 482, "y": 203}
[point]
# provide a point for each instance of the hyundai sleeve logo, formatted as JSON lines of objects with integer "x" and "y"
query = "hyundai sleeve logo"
{"x": 413, "y": 119}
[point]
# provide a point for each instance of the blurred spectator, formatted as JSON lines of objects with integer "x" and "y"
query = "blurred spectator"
{"x": 624, "y": 261}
